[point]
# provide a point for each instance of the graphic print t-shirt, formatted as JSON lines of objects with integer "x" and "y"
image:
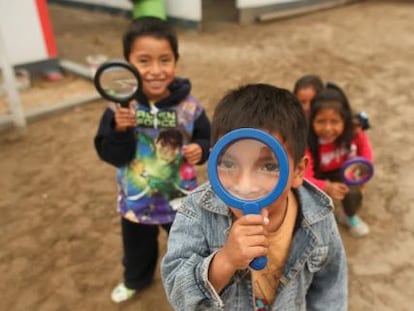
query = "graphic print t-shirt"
{"x": 158, "y": 174}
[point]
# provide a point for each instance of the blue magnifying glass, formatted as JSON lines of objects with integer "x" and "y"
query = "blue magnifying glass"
{"x": 248, "y": 169}
{"x": 357, "y": 171}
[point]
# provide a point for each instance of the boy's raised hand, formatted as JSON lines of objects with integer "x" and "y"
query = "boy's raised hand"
{"x": 124, "y": 117}
{"x": 247, "y": 240}
{"x": 192, "y": 153}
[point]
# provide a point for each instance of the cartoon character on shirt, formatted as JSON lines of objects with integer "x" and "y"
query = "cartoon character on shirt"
{"x": 157, "y": 176}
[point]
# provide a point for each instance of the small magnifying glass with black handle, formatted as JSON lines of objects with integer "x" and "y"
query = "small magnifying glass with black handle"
{"x": 118, "y": 81}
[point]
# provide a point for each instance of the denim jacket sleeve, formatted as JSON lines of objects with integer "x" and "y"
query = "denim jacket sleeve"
{"x": 328, "y": 290}
{"x": 184, "y": 269}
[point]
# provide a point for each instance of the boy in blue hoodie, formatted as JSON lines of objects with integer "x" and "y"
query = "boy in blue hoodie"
{"x": 154, "y": 143}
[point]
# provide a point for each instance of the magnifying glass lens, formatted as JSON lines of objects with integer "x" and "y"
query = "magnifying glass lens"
{"x": 248, "y": 169}
{"x": 356, "y": 172}
{"x": 118, "y": 82}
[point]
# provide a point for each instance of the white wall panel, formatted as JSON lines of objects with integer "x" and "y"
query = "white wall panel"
{"x": 22, "y": 31}
{"x": 244, "y": 4}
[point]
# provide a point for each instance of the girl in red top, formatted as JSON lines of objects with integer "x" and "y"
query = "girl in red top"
{"x": 332, "y": 140}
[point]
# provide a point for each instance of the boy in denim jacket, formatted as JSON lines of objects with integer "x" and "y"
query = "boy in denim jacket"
{"x": 210, "y": 245}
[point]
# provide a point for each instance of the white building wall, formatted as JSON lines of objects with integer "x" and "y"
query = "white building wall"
{"x": 22, "y": 31}
{"x": 183, "y": 9}
{"x": 244, "y": 4}
{"x": 119, "y": 4}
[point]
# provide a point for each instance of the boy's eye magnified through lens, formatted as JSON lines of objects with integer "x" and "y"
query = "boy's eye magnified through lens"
{"x": 248, "y": 169}
{"x": 117, "y": 81}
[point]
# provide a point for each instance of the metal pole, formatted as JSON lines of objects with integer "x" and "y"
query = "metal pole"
{"x": 11, "y": 88}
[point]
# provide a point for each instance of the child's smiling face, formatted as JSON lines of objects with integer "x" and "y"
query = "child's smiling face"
{"x": 328, "y": 124}
{"x": 156, "y": 63}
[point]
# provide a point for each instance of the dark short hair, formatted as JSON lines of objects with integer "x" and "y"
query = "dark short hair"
{"x": 265, "y": 107}
{"x": 149, "y": 26}
{"x": 313, "y": 81}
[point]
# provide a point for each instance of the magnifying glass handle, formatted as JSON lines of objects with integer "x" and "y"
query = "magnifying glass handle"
{"x": 259, "y": 262}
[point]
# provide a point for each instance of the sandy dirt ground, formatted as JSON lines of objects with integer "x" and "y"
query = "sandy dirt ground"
{"x": 59, "y": 231}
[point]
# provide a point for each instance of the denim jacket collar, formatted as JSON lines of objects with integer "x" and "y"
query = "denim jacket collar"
{"x": 211, "y": 202}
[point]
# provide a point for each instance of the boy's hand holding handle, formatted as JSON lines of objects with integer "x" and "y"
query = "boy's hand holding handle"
{"x": 247, "y": 240}
{"x": 124, "y": 116}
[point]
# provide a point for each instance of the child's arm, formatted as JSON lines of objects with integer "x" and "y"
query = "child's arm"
{"x": 309, "y": 172}
{"x": 246, "y": 241}
{"x": 197, "y": 151}
{"x": 329, "y": 288}
{"x": 184, "y": 268}
{"x": 363, "y": 145}
{"x": 114, "y": 146}
{"x": 336, "y": 190}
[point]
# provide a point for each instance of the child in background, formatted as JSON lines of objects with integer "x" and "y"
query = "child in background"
{"x": 332, "y": 140}
{"x": 210, "y": 245}
{"x": 149, "y": 142}
{"x": 305, "y": 90}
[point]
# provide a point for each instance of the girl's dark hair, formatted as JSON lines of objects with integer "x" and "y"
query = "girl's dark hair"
{"x": 149, "y": 26}
{"x": 313, "y": 81}
{"x": 265, "y": 107}
{"x": 332, "y": 97}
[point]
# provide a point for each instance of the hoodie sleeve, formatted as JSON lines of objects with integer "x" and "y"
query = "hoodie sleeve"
{"x": 309, "y": 173}
{"x": 363, "y": 144}
{"x": 116, "y": 148}
{"x": 201, "y": 135}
